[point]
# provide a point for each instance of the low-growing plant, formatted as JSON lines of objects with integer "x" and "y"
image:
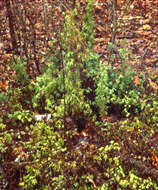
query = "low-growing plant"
{"x": 3, "y": 98}
{"x": 61, "y": 88}
{"x": 21, "y": 116}
{"x": 150, "y": 110}
{"x": 116, "y": 176}
{"x": 22, "y": 87}
{"x": 45, "y": 149}
{"x": 116, "y": 86}
{"x": 74, "y": 85}
{"x": 21, "y": 75}
{"x": 4, "y": 139}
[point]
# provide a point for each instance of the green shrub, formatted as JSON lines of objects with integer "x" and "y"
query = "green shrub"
{"x": 150, "y": 110}
{"x": 74, "y": 85}
{"x": 115, "y": 174}
{"x": 21, "y": 75}
{"x": 60, "y": 88}
{"x": 116, "y": 86}
{"x": 45, "y": 149}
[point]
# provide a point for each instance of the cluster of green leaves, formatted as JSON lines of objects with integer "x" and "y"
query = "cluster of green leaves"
{"x": 88, "y": 23}
{"x": 117, "y": 86}
{"x": 5, "y": 140}
{"x": 21, "y": 74}
{"x": 117, "y": 177}
{"x": 44, "y": 148}
{"x": 6, "y": 137}
{"x": 20, "y": 90}
{"x": 150, "y": 110}
{"x": 3, "y": 98}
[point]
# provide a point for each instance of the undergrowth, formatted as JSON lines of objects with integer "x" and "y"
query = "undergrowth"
{"x": 70, "y": 151}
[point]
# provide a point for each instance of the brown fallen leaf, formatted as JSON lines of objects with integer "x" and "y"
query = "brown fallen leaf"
{"x": 119, "y": 2}
{"x": 8, "y": 56}
{"x": 91, "y": 147}
{"x": 137, "y": 80}
{"x": 38, "y": 25}
{"x": 95, "y": 47}
{"x": 100, "y": 40}
{"x": 1, "y": 45}
{"x": 21, "y": 152}
{"x": 99, "y": 28}
{"x": 4, "y": 85}
{"x": 154, "y": 160}
{"x": 152, "y": 84}
{"x": 98, "y": 7}
{"x": 146, "y": 27}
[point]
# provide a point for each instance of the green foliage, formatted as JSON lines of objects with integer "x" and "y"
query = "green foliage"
{"x": 119, "y": 179}
{"x": 48, "y": 88}
{"x": 60, "y": 91}
{"x": 60, "y": 87}
{"x": 5, "y": 138}
{"x": 134, "y": 182}
{"x": 114, "y": 170}
{"x": 14, "y": 100}
{"x": 3, "y": 98}
{"x": 73, "y": 85}
{"x": 21, "y": 116}
{"x": 150, "y": 110}
{"x": 139, "y": 183}
{"x": 88, "y": 23}
{"x": 20, "y": 95}
{"x": 116, "y": 86}
{"x": 21, "y": 75}
{"x": 18, "y": 104}
{"x": 45, "y": 149}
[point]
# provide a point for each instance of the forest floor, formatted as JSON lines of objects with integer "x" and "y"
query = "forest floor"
{"x": 138, "y": 32}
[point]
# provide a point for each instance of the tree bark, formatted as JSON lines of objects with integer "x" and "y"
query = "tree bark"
{"x": 11, "y": 21}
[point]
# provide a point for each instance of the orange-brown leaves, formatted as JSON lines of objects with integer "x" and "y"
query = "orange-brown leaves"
{"x": 153, "y": 85}
{"x": 4, "y": 85}
{"x": 154, "y": 160}
{"x": 137, "y": 80}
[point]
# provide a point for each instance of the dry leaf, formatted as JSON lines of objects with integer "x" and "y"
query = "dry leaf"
{"x": 8, "y": 35}
{"x": 84, "y": 132}
{"x": 82, "y": 2}
{"x": 152, "y": 84}
{"x": 105, "y": 63}
{"x": 95, "y": 47}
{"x": 137, "y": 80}
{"x": 22, "y": 153}
{"x": 119, "y": 2}
{"x": 38, "y": 25}
{"x": 154, "y": 160}
{"x": 98, "y": 7}
{"x": 4, "y": 85}
{"x": 146, "y": 27}
{"x": 156, "y": 72}
{"x": 9, "y": 55}
{"x": 1, "y": 45}
{"x": 99, "y": 28}
{"x": 100, "y": 40}
{"x": 91, "y": 147}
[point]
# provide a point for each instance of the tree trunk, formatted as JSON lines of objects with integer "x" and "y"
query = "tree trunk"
{"x": 11, "y": 26}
